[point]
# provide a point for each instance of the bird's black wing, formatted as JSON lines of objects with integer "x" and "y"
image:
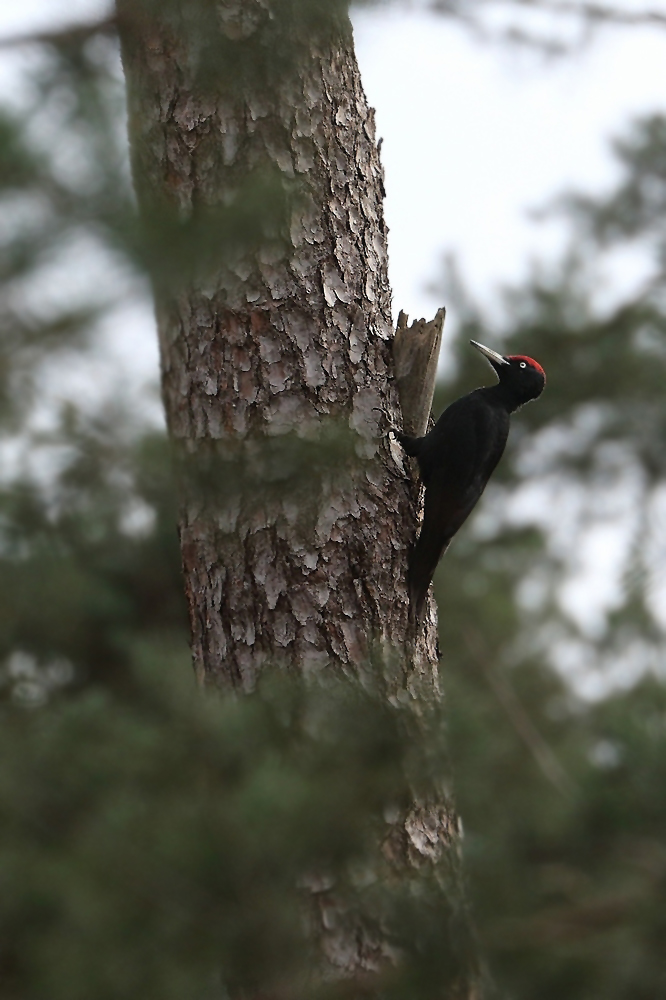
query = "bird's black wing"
{"x": 456, "y": 461}
{"x": 463, "y": 441}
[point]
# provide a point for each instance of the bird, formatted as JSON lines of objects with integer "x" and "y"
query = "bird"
{"x": 458, "y": 456}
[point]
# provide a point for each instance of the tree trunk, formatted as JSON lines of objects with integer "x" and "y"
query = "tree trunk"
{"x": 288, "y": 560}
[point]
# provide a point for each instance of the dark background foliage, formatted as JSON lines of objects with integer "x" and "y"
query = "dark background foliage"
{"x": 150, "y": 839}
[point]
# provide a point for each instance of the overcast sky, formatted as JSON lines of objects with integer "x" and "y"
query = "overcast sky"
{"x": 474, "y": 134}
{"x": 477, "y": 134}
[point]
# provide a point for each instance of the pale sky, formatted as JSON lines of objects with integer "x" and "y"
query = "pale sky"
{"x": 477, "y": 134}
{"x": 474, "y": 134}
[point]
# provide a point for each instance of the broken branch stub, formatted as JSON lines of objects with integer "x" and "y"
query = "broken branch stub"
{"x": 415, "y": 353}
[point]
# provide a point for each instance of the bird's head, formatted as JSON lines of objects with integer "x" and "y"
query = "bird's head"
{"x": 523, "y": 377}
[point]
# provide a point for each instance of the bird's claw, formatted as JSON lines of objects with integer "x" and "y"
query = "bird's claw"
{"x": 391, "y": 426}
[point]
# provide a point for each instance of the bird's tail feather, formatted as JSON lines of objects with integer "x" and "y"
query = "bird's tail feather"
{"x": 422, "y": 565}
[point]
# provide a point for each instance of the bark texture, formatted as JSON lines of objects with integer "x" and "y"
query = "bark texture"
{"x": 304, "y": 567}
{"x": 275, "y": 341}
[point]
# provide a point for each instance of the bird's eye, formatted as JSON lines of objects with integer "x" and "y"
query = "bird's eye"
{"x": 523, "y": 365}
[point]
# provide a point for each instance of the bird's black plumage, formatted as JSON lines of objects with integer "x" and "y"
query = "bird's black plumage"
{"x": 458, "y": 456}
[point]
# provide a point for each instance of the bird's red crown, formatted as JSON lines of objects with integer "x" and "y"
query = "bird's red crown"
{"x": 530, "y": 361}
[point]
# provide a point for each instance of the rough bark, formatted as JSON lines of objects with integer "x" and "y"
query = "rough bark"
{"x": 258, "y": 352}
{"x": 277, "y": 341}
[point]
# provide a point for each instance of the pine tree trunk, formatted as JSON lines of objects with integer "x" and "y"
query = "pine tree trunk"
{"x": 266, "y": 343}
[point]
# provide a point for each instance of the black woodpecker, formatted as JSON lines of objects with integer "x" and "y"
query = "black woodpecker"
{"x": 458, "y": 456}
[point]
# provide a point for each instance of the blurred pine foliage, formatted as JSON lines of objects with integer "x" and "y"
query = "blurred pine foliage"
{"x": 150, "y": 840}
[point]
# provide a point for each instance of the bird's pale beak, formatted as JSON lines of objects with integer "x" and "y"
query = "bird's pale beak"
{"x": 492, "y": 356}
